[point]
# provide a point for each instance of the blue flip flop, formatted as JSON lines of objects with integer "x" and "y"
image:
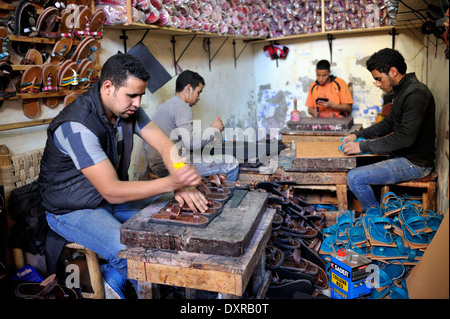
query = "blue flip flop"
{"x": 387, "y": 274}
{"x": 377, "y": 229}
{"x": 398, "y": 290}
{"x": 399, "y": 252}
{"x": 410, "y": 217}
{"x": 433, "y": 220}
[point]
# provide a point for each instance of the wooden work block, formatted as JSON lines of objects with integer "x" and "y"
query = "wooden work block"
{"x": 228, "y": 234}
{"x": 212, "y": 272}
{"x": 321, "y": 124}
{"x": 321, "y": 157}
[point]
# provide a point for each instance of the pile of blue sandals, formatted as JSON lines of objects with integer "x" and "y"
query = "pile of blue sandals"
{"x": 298, "y": 272}
{"x": 394, "y": 235}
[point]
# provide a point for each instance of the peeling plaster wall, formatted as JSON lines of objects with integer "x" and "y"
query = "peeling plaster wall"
{"x": 276, "y": 86}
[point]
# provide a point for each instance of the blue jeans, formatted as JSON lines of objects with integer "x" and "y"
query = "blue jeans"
{"x": 98, "y": 229}
{"x": 386, "y": 172}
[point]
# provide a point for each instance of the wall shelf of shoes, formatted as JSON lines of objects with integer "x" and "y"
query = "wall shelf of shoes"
{"x": 251, "y": 20}
{"x": 48, "y": 52}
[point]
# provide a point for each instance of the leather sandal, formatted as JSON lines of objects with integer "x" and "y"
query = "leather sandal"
{"x": 67, "y": 75}
{"x": 7, "y": 88}
{"x": 50, "y": 84}
{"x": 70, "y": 98}
{"x": 25, "y": 25}
{"x": 284, "y": 241}
{"x": 213, "y": 206}
{"x": 87, "y": 49}
{"x": 32, "y": 57}
{"x": 66, "y": 26}
{"x": 83, "y": 23}
{"x": 86, "y": 73}
{"x": 48, "y": 23}
{"x": 288, "y": 288}
{"x": 97, "y": 22}
{"x": 60, "y": 50}
{"x": 4, "y": 39}
{"x": 176, "y": 216}
{"x": 294, "y": 260}
{"x": 274, "y": 257}
{"x": 31, "y": 83}
{"x": 48, "y": 289}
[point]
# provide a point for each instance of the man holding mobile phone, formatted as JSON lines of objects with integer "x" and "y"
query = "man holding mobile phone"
{"x": 328, "y": 96}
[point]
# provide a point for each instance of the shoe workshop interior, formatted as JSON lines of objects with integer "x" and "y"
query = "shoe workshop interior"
{"x": 309, "y": 141}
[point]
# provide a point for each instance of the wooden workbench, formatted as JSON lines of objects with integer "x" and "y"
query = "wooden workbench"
{"x": 216, "y": 272}
{"x": 288, "y": 135}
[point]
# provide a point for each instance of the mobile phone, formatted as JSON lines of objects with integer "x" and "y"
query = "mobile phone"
{"x": 321, "y": 99}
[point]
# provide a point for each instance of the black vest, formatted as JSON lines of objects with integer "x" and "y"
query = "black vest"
{"x": 63, "y": 187}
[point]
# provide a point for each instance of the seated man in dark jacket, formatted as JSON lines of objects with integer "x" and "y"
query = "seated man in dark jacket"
{"x": 407, "y": 134}
{"x": 83, "y": 179}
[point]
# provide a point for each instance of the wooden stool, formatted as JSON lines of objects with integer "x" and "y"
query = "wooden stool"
{"x": 427, "y": 182}
{"x": 95, "y": 275}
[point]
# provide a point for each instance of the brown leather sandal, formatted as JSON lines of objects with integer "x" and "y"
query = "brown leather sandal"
{"x": 176, "y": 216}
{"x": 212, "y": 207}
{"x": 50, "y": 84}
{"x": 66, "y": 26}
{"x": 31, "y": 83}
{"x": 60, "y": 50}
{"x": 85, "y": 71}
{"x": 83, "y": 23}
{"x": 87, "y": 49}
{"x": 48, "y": 289}
{"x": 70, "y": 98}
{"x": 294, "y": 261}
{"x": 97, "y": 22}
{"x": 32, "y": 57}
{"x": 67, "y": 75}
{"x": 48, "y": 23}
{"x": 4, "y": 39}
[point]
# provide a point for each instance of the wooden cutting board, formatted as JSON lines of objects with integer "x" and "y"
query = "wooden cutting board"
{"x": 228, "y": 234}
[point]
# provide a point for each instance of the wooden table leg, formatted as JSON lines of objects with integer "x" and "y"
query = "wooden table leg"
{"x": 341, "y": 194}
{"x": 147, "y": 290}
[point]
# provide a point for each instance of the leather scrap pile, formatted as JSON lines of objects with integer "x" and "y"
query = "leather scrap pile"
{"x": 292, "y": 251}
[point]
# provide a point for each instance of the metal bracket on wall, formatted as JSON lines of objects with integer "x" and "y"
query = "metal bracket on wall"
{"x": 393, "y": 33}
{"x": 330, "y": 39}
{"x": 124, "y": 37}
{"x": 208, "y": 48}
{"x": 236, "y": 57}
{"x": 272, "y": 43}
{"x": 175, "y": 60}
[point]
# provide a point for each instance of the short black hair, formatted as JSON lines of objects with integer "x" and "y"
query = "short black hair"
{"x": 120, "y": 66}
{"x": 323, "y": 65}
{"x": 188, "y": 77}
{"x": 383, "y": 60}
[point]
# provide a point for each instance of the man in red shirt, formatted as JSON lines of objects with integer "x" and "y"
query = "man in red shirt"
{"x": 328, "y": 96}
